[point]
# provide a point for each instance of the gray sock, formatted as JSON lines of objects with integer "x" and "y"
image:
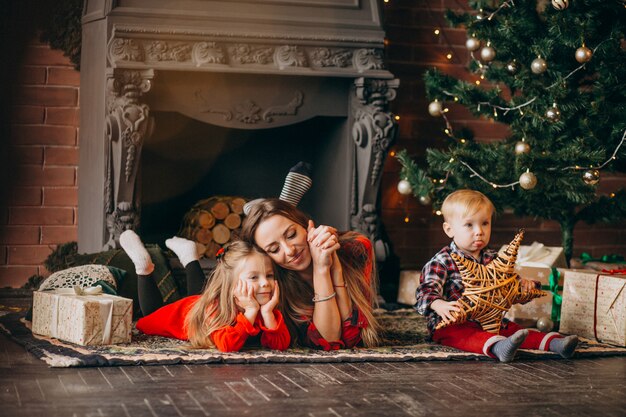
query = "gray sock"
{"x": 505, "y": 349}
{"x": 564, "y": 346}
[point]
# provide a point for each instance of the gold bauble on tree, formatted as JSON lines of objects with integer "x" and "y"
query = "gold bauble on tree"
{"x": 553, "y": 114}
{"x": 522, "y": 147}
{"x": 560, "y": 4}
{"x": 472, "y": 44}
{"x": 424, "y": 200}
{"x": 538, "y": 66}
{"x": 583, "y": 54}
{"x": 512, "y": 67}
{"x": 488, "y": 54}
{"x": 591, "y": 176}
{"x": 404, "y": 187}
{"x": 434, "y": 108}
{"x": 527, "y": 180}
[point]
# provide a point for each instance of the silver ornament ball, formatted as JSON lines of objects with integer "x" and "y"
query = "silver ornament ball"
{"x": 560, "y": 4}
{"x": 522, "y": 147}
{"x": 434, "y": 108}
{"x": 488, "y": 54}
{"x": 538, "y": 66}
{"x": 424, "y": 200}
{"x": 512, "y": 67}
{"x": 404, "y": 187}
{"x": 472, "y": 44}
{"x": 545, "y": 324}
{"x": 553, "y": 114}
{"x": 527, "y": 180}
{"x": 591, "y": 177}
{"x": 583, "y": 54}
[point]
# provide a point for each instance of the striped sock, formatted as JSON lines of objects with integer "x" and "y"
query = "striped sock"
{"x": 297, "y": 182}
{"x": 505, "y": 349}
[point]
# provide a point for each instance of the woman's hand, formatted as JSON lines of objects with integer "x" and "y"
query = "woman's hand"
{"x": 323, "y": 243}
{"x": 244, "y": 298}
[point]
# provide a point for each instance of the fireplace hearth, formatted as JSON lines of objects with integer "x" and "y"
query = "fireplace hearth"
{"x": 184, "y": 100}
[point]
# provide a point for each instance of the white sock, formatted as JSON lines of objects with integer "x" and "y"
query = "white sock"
{"x": 185, "y": 249}
{"x": 136, "y": 251}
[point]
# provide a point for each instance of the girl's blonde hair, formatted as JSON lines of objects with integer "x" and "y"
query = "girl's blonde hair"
{"x": 357, "y": 262}
{"x": 216, "y": 306}
{"x": 463, "y": 203}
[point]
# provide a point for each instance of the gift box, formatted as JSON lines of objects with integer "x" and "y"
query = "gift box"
{"x": 409, "y": 281}
{"x": 535, "y": 262}
{"x": 594, "y": 306}
{"x": 101, "y": 319}
{"x": 528, "y": 314}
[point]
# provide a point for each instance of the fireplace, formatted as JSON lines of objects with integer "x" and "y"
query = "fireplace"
{"x": 184, "y": 100}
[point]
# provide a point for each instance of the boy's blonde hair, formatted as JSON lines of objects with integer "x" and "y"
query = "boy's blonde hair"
{"x": 463, "y": 203}
{"x": 216, "y": 307}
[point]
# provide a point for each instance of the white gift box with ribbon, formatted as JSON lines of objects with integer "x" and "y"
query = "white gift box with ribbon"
{"x": 409, "y": 281}
{"x": 84, "y": 316}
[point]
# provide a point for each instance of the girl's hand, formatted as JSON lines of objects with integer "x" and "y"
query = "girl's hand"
{"x": 445, "y": 309}
{"x": 244, "y": 297}
{"x": 325, "y": 236}
{"x": 273, "y": 302}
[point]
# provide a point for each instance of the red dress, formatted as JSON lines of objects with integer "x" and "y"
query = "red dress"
{"x": 357, "y": 251}
{"x": 169, "y": 321}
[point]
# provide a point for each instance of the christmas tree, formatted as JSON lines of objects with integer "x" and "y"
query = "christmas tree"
{"x": 556, "y": 74}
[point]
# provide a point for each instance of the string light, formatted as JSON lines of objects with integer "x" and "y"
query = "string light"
{"x": 397, "y": 117}
{"x": 449, "y": 56}
{"x": 437, "y": 32}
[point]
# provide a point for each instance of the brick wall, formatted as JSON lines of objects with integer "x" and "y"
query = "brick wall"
{"x": 39, "y": 207}
{"x": 412, "y": 48}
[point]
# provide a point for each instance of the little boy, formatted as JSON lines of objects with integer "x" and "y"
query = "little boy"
{"x": 467, "y": 220}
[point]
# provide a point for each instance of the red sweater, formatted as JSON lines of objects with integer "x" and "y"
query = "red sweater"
{"x": 169, "y": 321}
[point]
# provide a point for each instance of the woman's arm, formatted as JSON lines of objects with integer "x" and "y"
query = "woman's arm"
{"x": 326, "y": 314}
{"x": 343, "y": 299}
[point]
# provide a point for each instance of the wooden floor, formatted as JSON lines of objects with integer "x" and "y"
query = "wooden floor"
{"x": 537, "y": 388}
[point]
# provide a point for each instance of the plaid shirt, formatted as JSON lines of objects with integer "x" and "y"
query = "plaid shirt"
{"x": 441, "y": 279}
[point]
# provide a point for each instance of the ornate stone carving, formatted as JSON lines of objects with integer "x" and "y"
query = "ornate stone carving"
{"x": 288, "y": 109}
{"x": 128, "y": 125}
{"x": 166, "y": 51}
{"x": 374, "y": 131}
{"x": 289, "y": 56}
{"x": 246, "y": 54}
{"x": 228, "y": 115}
{"x": 121, "y": 49}
{"x": 367, "y": 59}
{"x": 208, "y": 53}
{"x": 247, "y": 112}
{"x": 325, "y": 57}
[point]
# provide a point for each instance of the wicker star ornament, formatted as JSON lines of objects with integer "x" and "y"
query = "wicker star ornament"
{"x": 490, "y": 290}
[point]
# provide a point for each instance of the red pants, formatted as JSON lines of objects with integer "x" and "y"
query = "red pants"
{"x": 470, "y": 337}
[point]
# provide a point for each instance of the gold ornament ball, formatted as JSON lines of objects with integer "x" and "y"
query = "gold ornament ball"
{"x": 512, "y": 67}
{"x": 538, "y": 66}
{"x": 472, "y": 44}
{"x": 544, "y": 324}
{"x": 488, "y": 54}
{"x": 583, "y": 54}
{"x": 424, "y": 200}
{"x": 527, "y": 180}
{"x": 591, "y": 176}
{"x": 553, "y": 114}
{"x": 521, "y": 147}
{"x": 404, "y": 187}
{"x": 434, "y": 108}
{"x": 560, "y": 4}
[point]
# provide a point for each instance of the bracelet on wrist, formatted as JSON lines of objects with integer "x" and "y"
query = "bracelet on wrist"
{"x": 339, "y": 286}
{"x": 317, "y": 299}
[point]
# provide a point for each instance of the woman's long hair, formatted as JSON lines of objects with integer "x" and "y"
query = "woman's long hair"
{"x": 357, "y": 261}
{"x": 216, "y": 307}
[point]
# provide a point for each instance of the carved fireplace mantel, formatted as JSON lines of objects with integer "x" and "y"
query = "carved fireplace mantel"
{"x": 236, "y": 64}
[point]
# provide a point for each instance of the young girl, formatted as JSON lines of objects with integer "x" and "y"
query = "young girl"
{"x": 238, "y": 307}
{"x": 328, "y": 279}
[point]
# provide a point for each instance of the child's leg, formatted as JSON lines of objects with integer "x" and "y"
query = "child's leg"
{"x": 187, "y": 253}
{"x": 553, "y": 341}
{"x": 468, "y": 336}
{"x": 150, "y": 298}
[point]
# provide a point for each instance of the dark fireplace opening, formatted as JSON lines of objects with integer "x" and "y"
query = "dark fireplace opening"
{"x": 186, "y": 160}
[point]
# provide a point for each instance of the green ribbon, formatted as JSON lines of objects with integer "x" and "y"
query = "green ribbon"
{"x": 609, "y": 259}
{"x": 557, "y": 299}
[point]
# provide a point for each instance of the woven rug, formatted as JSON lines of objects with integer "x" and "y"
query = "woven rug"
{"x": 404, "y": 339}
